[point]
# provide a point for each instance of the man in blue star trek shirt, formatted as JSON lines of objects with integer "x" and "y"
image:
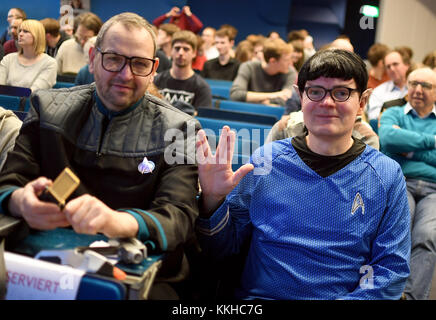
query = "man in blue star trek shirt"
{"x": 325, "y": 215}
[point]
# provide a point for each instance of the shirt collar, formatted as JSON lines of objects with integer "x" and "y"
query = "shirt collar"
{"x": 408, "y": 108}
{"x": 392, "y": 87}
{"x": 109, "y": 113}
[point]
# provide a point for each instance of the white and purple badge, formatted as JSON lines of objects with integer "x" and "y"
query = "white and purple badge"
{"x": 146, "y": 166}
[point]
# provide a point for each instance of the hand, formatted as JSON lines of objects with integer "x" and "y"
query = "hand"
{"x": 174, "y": 12}
{"x": 89, "y": 215}
{"x": 216, "y": 176}
{"x": 187, "y": 11}
{"x": 39, "y": 215}
{"x": 284, "y": 94}
{"x": 283, "y": 122}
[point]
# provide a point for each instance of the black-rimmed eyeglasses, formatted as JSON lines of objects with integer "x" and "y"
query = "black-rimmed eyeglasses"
{"x": 338, "y": 94}
{"x": 425, "y": 85}
{"x": 114, "y": 62}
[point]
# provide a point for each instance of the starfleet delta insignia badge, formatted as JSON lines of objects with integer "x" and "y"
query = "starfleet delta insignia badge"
{"x": 146, "y": 166}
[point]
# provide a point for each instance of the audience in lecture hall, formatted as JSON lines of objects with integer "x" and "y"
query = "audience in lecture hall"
{"x": 377, "y": 72}
{"x": 180, "y": 85}
{"x": 54, "y": 36}
{"x": 209, "y": 48}
{"x": 200, "y": 57}
{"x": 408, "y": 135}
{"x": 184, "y": 19}
{"x": 397, "y": 65}
{"x": 84, "y": 76}
{"x": 261, "y": 68}
{"x": 224, "y": 67}
{"x": 30, "y": 67}
{"x": 13, "y": 13}
{"x": 270, "y": 82}
{"x": 70, "y": 57}
{"x": 12, "y": 44}
{"x": 164, "y": 36}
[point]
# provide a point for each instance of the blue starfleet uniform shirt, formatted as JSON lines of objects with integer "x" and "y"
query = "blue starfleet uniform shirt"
{"x": 345, "y": 236}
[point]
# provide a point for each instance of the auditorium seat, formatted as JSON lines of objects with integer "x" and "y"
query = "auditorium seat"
{"x": 250, "y": 107}
{"x": 222, "y": 114}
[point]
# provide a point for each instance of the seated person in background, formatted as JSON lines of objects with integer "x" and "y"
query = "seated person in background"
{"x": 342, "y": 43}
{"x": 13, "y": 13}
{"x": 397, "y": 65}
{"x": 54, "y": 37}
{"x": 244, "y": 51}
{"x": 84, "y": 76}
{"x": 180, "y": 85}
{"x": 30, "y": 67}
{"x": 267, "y": 83}
{"x": 114, "y": 197}
{"x": 233, "y": 32}
{"x": 325, "y": 216}
{"x": 408, "y": 135}
{"x": 12, "y": 44}
{"x": 70, "y": 56}
{"x": 377, "y": 72}
{"x": 273, "y": 35}
{"x": 200, "y": 58}
{"x": 184, "y": 19}
{"x": 298, "y": 57}
{"x": 164, "y": 36}
{"x": 430, "y": 60}
{"x": 209, "y": 48}
{"x": 9, "y": 127}
{"x": 257, "y": 41}
{"x": 224, "y": 67}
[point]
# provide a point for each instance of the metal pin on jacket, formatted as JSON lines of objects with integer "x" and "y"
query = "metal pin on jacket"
{"x": 146, "y": 166}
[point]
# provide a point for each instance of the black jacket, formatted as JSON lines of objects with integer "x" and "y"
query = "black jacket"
{"x": 67, "y": 127}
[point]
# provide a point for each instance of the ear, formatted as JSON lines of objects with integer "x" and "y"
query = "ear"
{"x": 364, "y": 100}
{"x": 92, "y": 54}
{"x": 298, "y": 91}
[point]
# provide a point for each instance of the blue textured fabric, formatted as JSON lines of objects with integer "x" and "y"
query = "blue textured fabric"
{"x": 314, "y": 237}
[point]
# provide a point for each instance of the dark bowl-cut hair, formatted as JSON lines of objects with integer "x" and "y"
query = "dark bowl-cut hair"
{"x": 334, "y": 64}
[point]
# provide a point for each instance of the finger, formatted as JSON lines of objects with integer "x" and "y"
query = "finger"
{"x": 241, "y": 172}
{"x": 203, "y": 148}
{"x": 230, "y": 146}
{"x": 76, "y": 210}
{"x": 47, "y": 221}
{"x": 221, "y": 149}
{"x": 40, "y": 184}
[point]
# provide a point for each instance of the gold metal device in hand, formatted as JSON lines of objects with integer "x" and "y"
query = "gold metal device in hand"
{"x": 62, "y": 187}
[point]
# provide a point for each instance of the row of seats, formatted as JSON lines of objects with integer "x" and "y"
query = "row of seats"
{"x": 251, "y": 122}
{"x": 17, "y": 98}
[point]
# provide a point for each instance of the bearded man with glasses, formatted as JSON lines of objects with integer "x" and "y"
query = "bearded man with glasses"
{"x": 327, "y": 217}
{"x": 408, "y": 135}
{"x": 112, "y": 135}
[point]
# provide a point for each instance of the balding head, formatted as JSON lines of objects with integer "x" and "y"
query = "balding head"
{"x": 342, "y": 44}
{"x": 422, "y": 90}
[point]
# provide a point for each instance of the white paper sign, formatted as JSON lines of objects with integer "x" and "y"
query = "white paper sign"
{"x": 32, "y": 279}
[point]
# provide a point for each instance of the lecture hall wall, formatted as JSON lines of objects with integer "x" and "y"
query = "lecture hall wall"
{"x": 401, "y": 21}
{"x": 249, "y": 16}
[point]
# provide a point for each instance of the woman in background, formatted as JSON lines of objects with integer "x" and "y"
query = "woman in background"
{"x": 30, "y": 67}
